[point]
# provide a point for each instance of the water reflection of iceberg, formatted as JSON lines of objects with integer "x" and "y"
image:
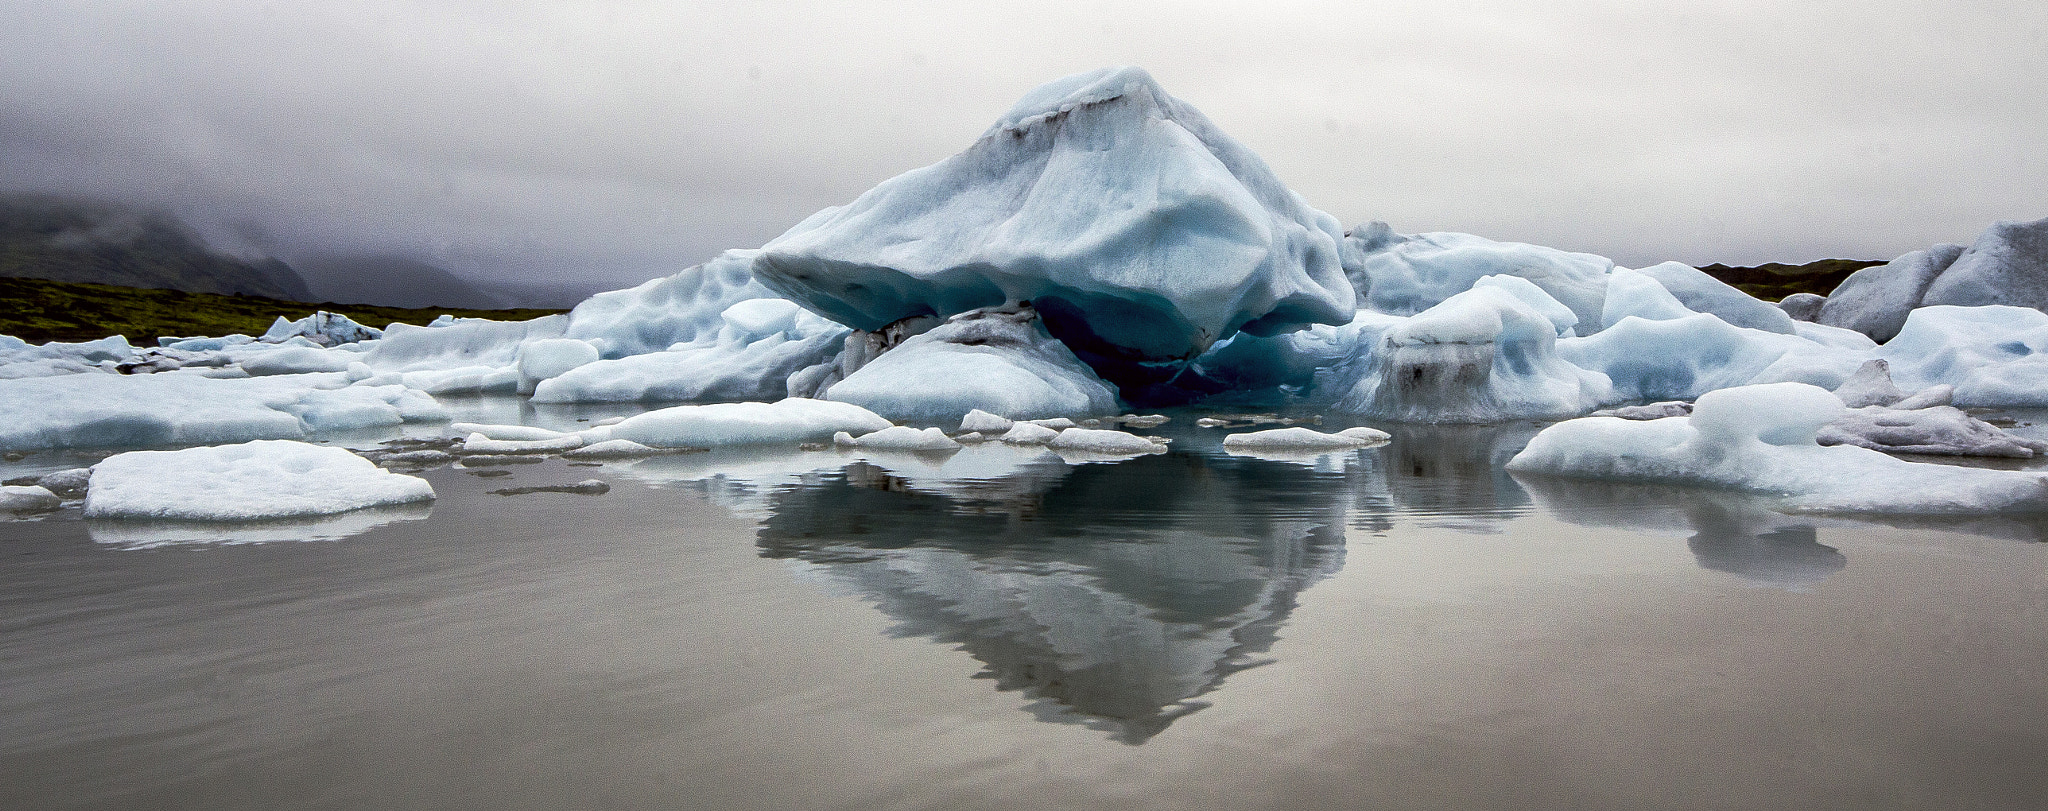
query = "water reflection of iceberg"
{"x": 1116, "y": 595}
{"x": 1729, "y": 532}
{"x": 135, "y": 534}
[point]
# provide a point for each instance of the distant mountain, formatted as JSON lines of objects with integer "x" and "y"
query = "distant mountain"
{"x": 392, "y": 281}
{"x": 44, "y": 237}
{"x": 1777, "y": 280}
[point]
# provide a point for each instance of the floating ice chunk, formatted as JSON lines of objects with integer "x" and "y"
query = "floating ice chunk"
{"x": 1483, "y": 355}
{"x": 1803, "y": 307}
{"x": 1702, "y": 293}
{"x": 1875, "y": 300}
{"x": 787, "y": 422}
{"x": 322, "y": 327}
{"x": 480, "y": 444}
{"x": 267, "y": 359}
{"x": 1303, "y": 438}
{"x": 177, "y": 408}
{"x": 1647, "y": 411}
{"x": 1404, "y": 275}
{"x": 549, "y": 358}
{"x": 971, "y": 438}
{"x": 1140, "y": 231}
{"x": 1097, "y": 440}
{"x": 1144, "y": 420}
{"x": 69, "y": 483}
{"x": 1025, "y": 433}
{"x": 1937, "y": 430}
{"x": 22, "y": 498}
{"x": 464, "y": 343}
{"x": 19, "y": 359}
{"x": 984, "y": 422}
{"x": 1055, "y": 423}
{"x": 203, "y": 343}
{"x": 1994, "y": 356}
{"x": 612, "y": 449}
{"x": 252, "y": 481}
{"x": 1635, "y": 294}
{"x": 900, "y": 438}
{"x": 517, "y": 433}
{"x": 758, "y": 345}
{"x": 999, "y": 359}
{"x": 1871, "y": 385}
{"x": 1761, "y": 439}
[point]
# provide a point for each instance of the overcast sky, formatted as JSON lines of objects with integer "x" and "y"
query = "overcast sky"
{"x": 615, "y": 141}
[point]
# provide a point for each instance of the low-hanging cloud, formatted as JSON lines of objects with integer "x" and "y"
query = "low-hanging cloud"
{"x": 609, "y": 142}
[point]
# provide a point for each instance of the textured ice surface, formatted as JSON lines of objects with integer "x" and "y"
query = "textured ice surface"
{"x": 1305, "y": 438}
{"x": 998, "y": 360}
{"x": 1993, "y": 356}
{"x": 1938, "y": 430}
{"x": 1702, "y": 293}
{"x": 1803, "y": 307}
{"x": 1871, "y": 385}
{"x": 20, "y": 359}
{"x": 1635, "y": 294}
{"x": 20, "y": 498}
{"x": 1875, "y": 300}
{"x": 1762, "y": 439}
{"x": 1139, "y": 230}
{"x": 252, "y": 481}
{"x": 322, "y": 327}
{"x": 1484, "y": 355}
{"x": 981, "y": 421}
{"x": 177, "y": 408}
{"x": 1025, "y": 433}
{"x": 900, "y": 438}
{"x": 549, "y": 358}
{"x": 750, "y": 354}
{"x": 671, "y": 310}
{"x": 790, "y": 421}
{"x": 2008, "y": 264}
{"x": 1104, "y": 441}
{"x": 461, "y": 343}
{"x": 1406, "y": 274}
{"x": 1683, "y": 358}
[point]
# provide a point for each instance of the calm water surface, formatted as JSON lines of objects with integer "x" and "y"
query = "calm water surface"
{"x": 1400, "y": 627}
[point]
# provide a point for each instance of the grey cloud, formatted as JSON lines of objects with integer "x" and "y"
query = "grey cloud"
{"x": 612, "y": 142}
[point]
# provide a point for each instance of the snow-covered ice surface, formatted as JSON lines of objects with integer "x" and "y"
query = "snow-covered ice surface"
{"x": 1139, "y": 230}
{"x": 251, "y": 481}
{"x": 177, "y": 408}
{"x": 998, "y": 360}
{"x": 1762, "y": 439}
{"x": 792, "y": 421}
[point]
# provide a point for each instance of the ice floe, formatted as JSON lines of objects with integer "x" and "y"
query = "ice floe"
{"x": 251, "y": 481}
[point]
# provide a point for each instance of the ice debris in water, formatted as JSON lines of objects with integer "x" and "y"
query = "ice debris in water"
{"x": 322, "y": 327}
{"x": 1103, "y": 441}
{"x": 981, "y": 421}
{"x": 1026, "y": 433}
{"x": 1140, "y": 231}
{"x": 898, "y": 438}
{"x": 787, "y": 422}
{"x": 21, "y": 498}
{"x": 1306, "y": 438}
{"x": 1762, "y": 439}
{"x": 265, "y": 479}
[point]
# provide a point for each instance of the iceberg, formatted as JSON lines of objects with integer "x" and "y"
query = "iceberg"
{"x": 26, "y": 498}
{"x": 899, "y": 438}
{"x": 2006, "y": 265}
{"x": 1875, "y": 300}
{"x": 1702, "y": 293}
{"x": 1484, "y": 355}
{"x": 1406, "y": 274}
{"x": 322, "y": 327}
{"x": 19, "y": 358}
{"x": 661, "y": 313}
{"x": 1306, "y": 439}
{"x": 1994, "y": 356}
{"x": 177, "y": 408}
{"x": 1684, "y": 358}
{"x": 1761, "y": 439}
{"x": 252, "y": 481}
{"x": 998, "y": 360}
{"x": 1139, "y": 231}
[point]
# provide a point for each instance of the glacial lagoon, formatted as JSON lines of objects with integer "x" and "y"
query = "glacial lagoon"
{"x": 1403, "y": 626}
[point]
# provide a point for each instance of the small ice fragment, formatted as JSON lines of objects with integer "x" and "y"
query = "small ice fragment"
{"x": 1305, "y": 438}
{"x": 899, "y": 438}
{"x": 612, "y": 449}
{"x": 1026, "y": 433}
{"x": 27, "y": 498}
{"x": 984, "y": 422}
{"x": 480, "y": 444}
{"x": 1104, "y": 441}
{"x": 520, "y": 433}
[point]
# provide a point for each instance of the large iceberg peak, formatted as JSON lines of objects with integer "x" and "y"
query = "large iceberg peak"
{"x": 1138, "y": 231}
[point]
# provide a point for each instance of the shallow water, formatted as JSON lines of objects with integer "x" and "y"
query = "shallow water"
{"x": 1399, "y": 627}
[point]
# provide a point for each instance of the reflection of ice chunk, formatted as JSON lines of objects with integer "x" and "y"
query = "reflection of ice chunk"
{"x": 1483, "y": 355}
{"x": 1734, "y": 533}
{"x": 788, "y": 421}
{"x": 147, "y": 534}
{"x": 1404, "y": 275}
{"x": 1761, "y": 439}
{"x": 252, "y": 481}
{"x": 176, "y": 408}
{"x": 999, "y": 360}
{"x": 757, "y": 345}
{"x": 1138, "y": 229}
{"x": 1994, "y": 356}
